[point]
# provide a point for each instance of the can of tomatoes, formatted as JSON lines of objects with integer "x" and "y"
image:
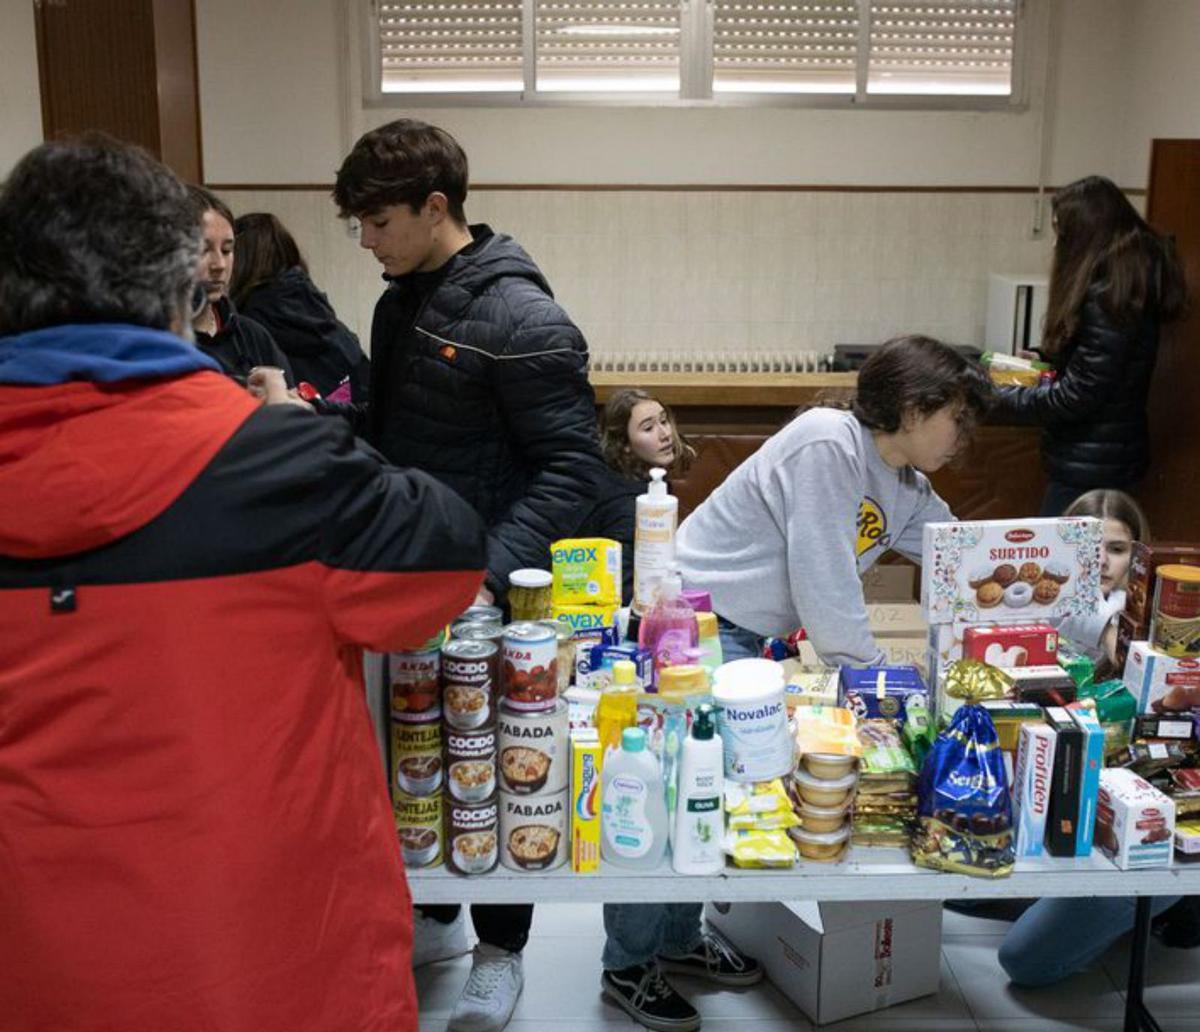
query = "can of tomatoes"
{"x": 529, "y": 667}
{"x": 414, "y": 679}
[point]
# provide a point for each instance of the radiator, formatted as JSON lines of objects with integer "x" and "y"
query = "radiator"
{"x": 711, "y": 362}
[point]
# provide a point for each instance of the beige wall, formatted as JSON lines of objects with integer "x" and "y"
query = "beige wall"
{"x": 20, "y": 96}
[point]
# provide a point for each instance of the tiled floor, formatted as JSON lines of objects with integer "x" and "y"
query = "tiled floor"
{"x": 562, "y": 971}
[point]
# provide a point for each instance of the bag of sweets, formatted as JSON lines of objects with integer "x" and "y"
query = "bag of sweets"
{"x": 964, "y": 812}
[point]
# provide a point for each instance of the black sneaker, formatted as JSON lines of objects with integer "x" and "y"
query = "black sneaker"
{"x": 717, "y": 960}
{"x": 643, "y": 993}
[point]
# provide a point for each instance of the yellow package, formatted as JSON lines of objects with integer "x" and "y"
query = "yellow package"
{"x": 758, "y": 798}
{"x": 776, "y": 819}
{"x": 760, "y": 848}
{"x": 587, "y": 571}
{"x": 585, "y": 801}
{"x": 586, "y": 618}
{"x": 829, "y": 730}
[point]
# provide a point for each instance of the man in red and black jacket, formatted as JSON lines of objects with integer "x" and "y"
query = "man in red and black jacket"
{"x": 195, "y": 831}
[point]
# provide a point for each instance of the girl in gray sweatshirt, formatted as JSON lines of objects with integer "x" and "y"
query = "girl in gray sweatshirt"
{"x": 782, "y": 543}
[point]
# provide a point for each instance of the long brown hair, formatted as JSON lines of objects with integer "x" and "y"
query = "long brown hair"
{"x": 1102, "y": 239}
{"x": 614, "y": 436}
{"x": 262, "y": 249}
{"x": 1110, "y": 504}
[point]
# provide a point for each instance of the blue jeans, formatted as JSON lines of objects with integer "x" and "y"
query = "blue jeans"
{"x": 737, "y": 642}
{"x": 1055, "y": 938}
{"x": 639, "y": 932}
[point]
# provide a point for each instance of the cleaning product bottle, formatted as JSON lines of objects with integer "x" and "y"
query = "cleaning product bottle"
{"x": 617, "y": 708}
{"x": 711, "y": 655}
{"x": 633, "y": 815}
{"x": 653, "y": 540}
{"x": 668, "y": 629}
{"x": 700, "y": 814}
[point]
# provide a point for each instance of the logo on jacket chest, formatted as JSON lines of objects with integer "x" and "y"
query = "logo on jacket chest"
{"x": 872, "y": 526}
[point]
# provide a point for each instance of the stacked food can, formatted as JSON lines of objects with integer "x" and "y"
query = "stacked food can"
{"x": 534, "y": 752}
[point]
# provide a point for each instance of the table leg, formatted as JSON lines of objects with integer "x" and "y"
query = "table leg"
{"x": 1137, "y": 1017}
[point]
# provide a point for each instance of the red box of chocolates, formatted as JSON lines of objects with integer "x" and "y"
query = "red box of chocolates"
{"x": 1016, "y": 645}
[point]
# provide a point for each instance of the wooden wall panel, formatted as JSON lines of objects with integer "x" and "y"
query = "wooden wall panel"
{"x": 124, "y": 67}
{"x": 1172, "y": 494}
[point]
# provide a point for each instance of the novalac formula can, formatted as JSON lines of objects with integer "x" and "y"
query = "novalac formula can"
{"x": 419, "y": 827}
{"x": 533, "y": 831}
{"x": 530, "y": 666}
{"x": 470, "y": 670}
{"x": 472, "y": 835}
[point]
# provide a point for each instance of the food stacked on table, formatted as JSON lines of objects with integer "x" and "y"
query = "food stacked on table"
{"x": 1010, "y": 743}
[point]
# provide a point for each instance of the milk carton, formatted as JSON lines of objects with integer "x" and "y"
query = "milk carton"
{"x": 1135, "y": 822}
{"x": 1031, "y": 787}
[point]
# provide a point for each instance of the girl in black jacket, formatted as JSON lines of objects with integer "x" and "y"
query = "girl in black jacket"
{"x": 271, "y": 285}
{"x": 1114, "y": 281}
{"x": 637, "y": 433}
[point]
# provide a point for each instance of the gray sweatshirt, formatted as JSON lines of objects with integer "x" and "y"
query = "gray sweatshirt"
{"x": 783, "y": 541}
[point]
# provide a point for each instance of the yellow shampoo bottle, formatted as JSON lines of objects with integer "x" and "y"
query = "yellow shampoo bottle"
{"x": 617, "y": 708}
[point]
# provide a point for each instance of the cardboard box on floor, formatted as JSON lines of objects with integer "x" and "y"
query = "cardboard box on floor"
{"x": 890, "y": 582}
{"x": 836, "y": 960}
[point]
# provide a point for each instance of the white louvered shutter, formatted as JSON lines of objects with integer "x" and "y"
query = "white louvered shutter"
{"x": 458, "y": 46}
{"x": 947, "y": 47}
{"x": 607, "y": 45}
{"x": 767, "y": 47}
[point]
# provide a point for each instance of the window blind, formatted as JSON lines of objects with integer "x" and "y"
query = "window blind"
{"x": 587, "y": 45}
{"x": 929, "y": 47}
{"x": 459, "y": 45}
{"x": 785, "y": 47}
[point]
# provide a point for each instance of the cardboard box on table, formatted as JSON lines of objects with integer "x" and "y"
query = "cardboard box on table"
{"x": 835, "y": 960}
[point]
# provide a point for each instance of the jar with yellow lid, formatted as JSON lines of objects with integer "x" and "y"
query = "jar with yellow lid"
{"x": 530, "y": 595}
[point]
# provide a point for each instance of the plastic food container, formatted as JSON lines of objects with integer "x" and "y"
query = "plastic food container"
{"x": 823, "y": 819}
{"x": 823, "y": 846}
{"x": 828, "y": 765}
{"x": 824, "y": 791}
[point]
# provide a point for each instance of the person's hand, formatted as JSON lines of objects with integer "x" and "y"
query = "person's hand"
{"x": 484, "y": 597}
{"x": 267, "y": 383}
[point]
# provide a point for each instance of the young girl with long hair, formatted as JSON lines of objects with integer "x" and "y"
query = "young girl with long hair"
{"x": 1114, "y": 281}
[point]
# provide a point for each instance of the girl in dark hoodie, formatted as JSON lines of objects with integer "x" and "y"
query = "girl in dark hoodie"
{"x": 271, "y": 285}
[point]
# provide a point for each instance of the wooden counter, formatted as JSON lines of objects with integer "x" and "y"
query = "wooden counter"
{"x": 727, "y": 416}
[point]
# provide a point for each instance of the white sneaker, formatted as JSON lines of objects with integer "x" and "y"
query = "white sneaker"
{"x": 491, "y": 992}
{"x": 435, "y": 940}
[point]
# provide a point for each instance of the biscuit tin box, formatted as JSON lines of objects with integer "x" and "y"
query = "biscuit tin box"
{"x": 999, "y": 571}
{"x": 881, "y": 691}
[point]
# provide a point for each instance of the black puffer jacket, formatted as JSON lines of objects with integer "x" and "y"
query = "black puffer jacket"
{"x": 240, "y": 344}
{"x": 321, "y": 350}
{"x": 479, "y": 378}
{"x": 1094, "y": 413}
{"x": 613, "y": 515}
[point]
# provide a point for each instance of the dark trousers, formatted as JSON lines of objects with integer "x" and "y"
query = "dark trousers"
{"x": 505, "y": 925}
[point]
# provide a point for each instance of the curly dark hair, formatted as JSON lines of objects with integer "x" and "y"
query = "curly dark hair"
{"x": 919, "y": 375}
{"x": 614, "y": 436}
{"x": 94, "y": 230}
{"x": 402, "y": 162}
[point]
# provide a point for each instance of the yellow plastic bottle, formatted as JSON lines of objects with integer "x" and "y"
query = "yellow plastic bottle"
{"x": 617, "y": 708}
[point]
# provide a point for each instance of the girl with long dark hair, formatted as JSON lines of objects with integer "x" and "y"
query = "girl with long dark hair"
{"x": 1113, "y": 283}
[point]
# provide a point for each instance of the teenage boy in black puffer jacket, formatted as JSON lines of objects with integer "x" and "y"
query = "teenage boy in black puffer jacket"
{"x": 479, "y": 378}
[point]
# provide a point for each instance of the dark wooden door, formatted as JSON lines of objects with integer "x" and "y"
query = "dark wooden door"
{"x": 1172, "y": 495}
{"x": 125, "y": 67}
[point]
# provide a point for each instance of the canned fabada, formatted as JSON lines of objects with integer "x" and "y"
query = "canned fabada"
{"x": 414, "y": 680}
{"x": 472, "y": 836}
{"x": 419, "y": 827}
{"x": 533, "y": 831}
{"x": 471, "y": 764}
{"x": 469, "y": 673}
{"x": 534, "y": 750}
{"x": 530, "y": 666}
